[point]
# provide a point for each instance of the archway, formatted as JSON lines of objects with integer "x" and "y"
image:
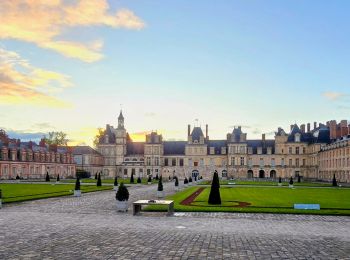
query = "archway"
{"x": 261, "y": 174}
{"x": 195, "y": 174}
{"x": 273, "y": 174}
{"x": 250, "y": 174}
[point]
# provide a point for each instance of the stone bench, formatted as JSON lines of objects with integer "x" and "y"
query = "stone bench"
{"x": 137, "y": 205}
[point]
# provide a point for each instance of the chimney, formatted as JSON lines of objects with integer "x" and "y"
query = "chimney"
{"x": 308, "y": 127}
{"x": 302, "y": 127}
{"x": 315, "y": 125}
{"x": 263, "y": 137}
{"x": 206, "y": 132}
{"x": 189, "y": 130}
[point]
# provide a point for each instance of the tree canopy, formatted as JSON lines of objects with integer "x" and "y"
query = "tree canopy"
{"x": 97, "y": 137}
{"x": 56, "y": 138}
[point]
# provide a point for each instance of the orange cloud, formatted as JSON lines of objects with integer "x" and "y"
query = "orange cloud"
{"x": 43, "y": 21}
{"x": 22, "y": 83}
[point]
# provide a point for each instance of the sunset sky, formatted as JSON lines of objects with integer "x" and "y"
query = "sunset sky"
{"x": 71, "y": 65}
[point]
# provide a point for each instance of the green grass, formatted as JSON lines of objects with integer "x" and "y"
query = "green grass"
{"x": 22, "y": 192}
{"x": 269, "y": 183}
{"x": 267, "y": 200}
{"x": 111, "y": 181}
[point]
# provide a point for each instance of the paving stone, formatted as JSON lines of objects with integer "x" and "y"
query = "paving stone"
{"x": 90, "y": 228}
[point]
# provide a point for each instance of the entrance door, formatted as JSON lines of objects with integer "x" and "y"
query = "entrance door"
{"x": 195, "y": 174}
{"x": 261, "y": 174}
{"x": 250, "y": 174}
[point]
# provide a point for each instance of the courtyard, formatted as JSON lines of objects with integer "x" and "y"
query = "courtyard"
{"x": 90, "y": 228}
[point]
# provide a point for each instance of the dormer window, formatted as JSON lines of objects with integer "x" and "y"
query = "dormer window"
{"x": 297, "y": 138}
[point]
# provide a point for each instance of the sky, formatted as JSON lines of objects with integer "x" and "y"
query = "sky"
{"x": 72, "y": 65}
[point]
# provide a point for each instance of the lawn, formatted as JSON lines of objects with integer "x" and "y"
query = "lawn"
{"x": 269, "y": 183}
{"x": 21, "y": 192}
{"x": 111, "y": 181}
{"x": 333, "y": 201}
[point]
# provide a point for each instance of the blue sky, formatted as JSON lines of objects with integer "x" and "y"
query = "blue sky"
{"x": 260, "y": 64}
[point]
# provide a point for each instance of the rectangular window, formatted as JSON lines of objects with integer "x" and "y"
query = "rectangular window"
{"x": 157, "y": 161}
{"x": 304, "y": 162}
{"x": 297, "y": 162}
{"x": 297, "y": 150}
{"x": 195, "y": 164}
{"x": 290, "y": 162}
{"x": 250, "y": 162}
{"x": 242, "y": 160}
{"x": 273, "y": 162}
{"x": 173, "y": 162}
{"x": 181, "y": 162}
{"x": 201, "y": 162}
{"x": 233, "y": 161}
{"x": 166, "y": 163}
{"x": 261, "y": 162}
{"x": 290, "y": 150}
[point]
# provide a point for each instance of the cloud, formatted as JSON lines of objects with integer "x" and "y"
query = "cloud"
{"x": 44, "y": 22}
{"x": 43, "y": 125}
{"x": 333, "y": 96}
{"x": 22, "y": 83}
{"x": 24, "y": 135}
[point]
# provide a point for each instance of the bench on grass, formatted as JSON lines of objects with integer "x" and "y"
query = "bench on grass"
{"x": 307, "y": 206}
{"x": 138, "y": 204}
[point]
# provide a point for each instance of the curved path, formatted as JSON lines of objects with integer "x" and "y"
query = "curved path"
{"x": 90, "y": 228}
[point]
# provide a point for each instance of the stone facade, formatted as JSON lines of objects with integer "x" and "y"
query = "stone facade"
{"x": 28, "y": 160}
{"x": 296, "y": 153}
{"x": 87, "y": 159}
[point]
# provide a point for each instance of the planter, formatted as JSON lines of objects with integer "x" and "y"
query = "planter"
{"x": 115, "y": 188}
{"x": 160, "y": 194}
{"x": 57, "y": 182}
{"x": 279, "y": 184}
{"x": 149, "y": 183}
{"x": 77, "y": 193}
{"x": 291, "y": 186}
{"x": 122, "y": 206}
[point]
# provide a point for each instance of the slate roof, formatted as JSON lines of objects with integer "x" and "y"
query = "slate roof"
{"x": 135, "y": 148}
{"x": 84, "y": 150}
{"x": 217, "y": 144}
{"x": 320, "y": 134}
{"x": 259, "y": 143}
{"x": 174, "y": 147}
{"x": 196, "y": 133}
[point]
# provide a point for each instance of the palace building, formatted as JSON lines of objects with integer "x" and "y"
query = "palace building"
{"x": 28, "y": 160}
{"x": 315, "y": 153}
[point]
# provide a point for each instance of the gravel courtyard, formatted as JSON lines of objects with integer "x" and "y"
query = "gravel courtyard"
{"x": 90, "y": 228}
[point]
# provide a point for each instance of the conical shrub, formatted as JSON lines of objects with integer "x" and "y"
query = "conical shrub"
{"x": 99, "y": 181}
{"x": 139, "y": 180}
{"x": 160, "y": 184}
{"x": 47, "y": 178}
{"x": 214, "y": 196}
{"x": 132, "y": 178}
{"x": 334, "y": 181}
{"x": 77, "y": 184}
{"x": 58, "y": 178}
{"x": 115, "y": 181}
{"x": 176, "y": 182}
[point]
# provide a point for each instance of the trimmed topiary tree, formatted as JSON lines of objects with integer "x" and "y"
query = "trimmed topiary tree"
{"x": 77, "y": 184}
{"x": 149, "y": 179}
{"x": 115, "y": 181}
{"x": 47, "y": 178}
{"x": 185, "y": 180}
{"x": 299, "y": 178}
{"x": 176, "y": 182}
{"x": 122, "y": 193}
{"x": 17, "y": 177}
{"x": 214, "y": 196}
{"x": 139, "y": 180}
{"x": 99, "y": 181}
{"x": 334, "y": 181}
{"x": 96, "y": 176}
{"x": 279, "y": 180}
{"x": 58, "y": 178}
{"x": 190, "y": 179}
{"x": 291, "y": 182}
{"x": 132, "y": 178}
{"x": 160, "y": 184}
{"x": 157, "y": 177}
{"x": 0, "y": 198}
